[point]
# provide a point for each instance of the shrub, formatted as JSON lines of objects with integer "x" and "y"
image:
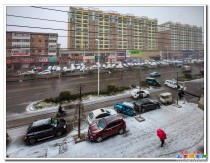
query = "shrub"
{"x": 111, "y": 88}
{"x": 64, "y": 96}
{"x": 188, "y": 76}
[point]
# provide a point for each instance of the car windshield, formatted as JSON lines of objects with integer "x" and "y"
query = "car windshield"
{"x": 54, "y": 122}
{"x": 101, "y": 124}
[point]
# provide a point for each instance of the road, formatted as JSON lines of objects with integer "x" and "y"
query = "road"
{"x": 20, "y": 94}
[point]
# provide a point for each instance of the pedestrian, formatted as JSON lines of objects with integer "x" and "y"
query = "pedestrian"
{"x": 162, "y": 135}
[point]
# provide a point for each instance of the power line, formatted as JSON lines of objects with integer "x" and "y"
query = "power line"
{"x": 93, "y": 24}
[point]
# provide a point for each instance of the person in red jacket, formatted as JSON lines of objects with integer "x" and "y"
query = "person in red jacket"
{"x": 162, "y": 135}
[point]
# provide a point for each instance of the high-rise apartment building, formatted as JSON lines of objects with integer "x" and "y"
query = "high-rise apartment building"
{"x": 113, "y": 31}
{"x": 177, "y": 36}
{"x": 31, "y": 44}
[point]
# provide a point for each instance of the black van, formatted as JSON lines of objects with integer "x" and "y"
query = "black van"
{"x": 153, "y": 82}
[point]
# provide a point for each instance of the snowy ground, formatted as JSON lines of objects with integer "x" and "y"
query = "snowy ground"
{"x": 184, "y": 128}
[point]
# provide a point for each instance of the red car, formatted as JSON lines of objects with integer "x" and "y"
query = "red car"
{"x": 106, "y": 127}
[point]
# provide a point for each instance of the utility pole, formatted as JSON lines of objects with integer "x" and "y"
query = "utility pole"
{"x": 80, "y": 103}
{"x": 177, "y": 86}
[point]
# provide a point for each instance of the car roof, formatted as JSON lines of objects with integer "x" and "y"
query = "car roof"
{"x": 110, "y": 118}
{"x": 165, "y": 94}
{"x": 128, "y": 104}
{"x": 41, "y": 122}
{"x": 99, "y": 111}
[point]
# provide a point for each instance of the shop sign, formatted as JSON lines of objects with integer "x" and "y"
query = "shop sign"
{"x": 52, "y": 59}
{"x": 88, "y": 57}
{"x": 20, "y": 54}
{"x": 134, "y": 53}
{"x": 43, "y": 59}
{"x": 27, "y": 60}
{"x": 76, "y": 58}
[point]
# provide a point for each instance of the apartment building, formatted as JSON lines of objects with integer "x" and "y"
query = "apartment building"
{"x": 31, "y": 44}
{"x": 92, "y": 29}
{"x": 29, "y": 48}
{"x": 180, "y": 38}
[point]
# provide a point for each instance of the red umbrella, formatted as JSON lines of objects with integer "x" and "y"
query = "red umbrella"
{"x": 161, "y": 134}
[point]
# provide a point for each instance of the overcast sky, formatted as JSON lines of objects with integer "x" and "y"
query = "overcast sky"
{"x": 193, "y": 15}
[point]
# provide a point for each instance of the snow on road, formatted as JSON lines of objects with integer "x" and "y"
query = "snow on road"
{"x": 184, "y": 128}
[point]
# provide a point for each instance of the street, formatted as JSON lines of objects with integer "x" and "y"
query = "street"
{"x": 20, "y": 94}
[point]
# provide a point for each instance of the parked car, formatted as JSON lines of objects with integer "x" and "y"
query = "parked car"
{"x": 136, "y": 93}
{"x": 28, "y": 73}
{"x": 166, "y": 98}
{"x": 146, "y": 104}
{"x": 45, "y": 128}
{"x": 97, "y": 114}
{"x": 155, "y": 74}
{"x": 106, "y": 127}
{"x": 125, "y": 108}
{"x": 153, "y": 82}
{"x": 45, "y": 72}
{"x": 173, "y": 84}
{"x": 58, "y": 68}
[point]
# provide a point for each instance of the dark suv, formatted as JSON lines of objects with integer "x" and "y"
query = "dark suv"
{"x": 45, "y": 128}
{"x": 146, "y": 105}
{"x": 106, "y": 127}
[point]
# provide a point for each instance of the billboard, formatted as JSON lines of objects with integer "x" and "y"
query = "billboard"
{"x": 134, "y": 53}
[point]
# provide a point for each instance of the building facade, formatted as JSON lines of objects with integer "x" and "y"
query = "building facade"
{"x": 180, "y": 40}
{"x": 91, "y": 30}
{"x": 28, "y": 48}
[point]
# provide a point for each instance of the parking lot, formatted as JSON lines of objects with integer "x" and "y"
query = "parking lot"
{"x": 183, "y": 126}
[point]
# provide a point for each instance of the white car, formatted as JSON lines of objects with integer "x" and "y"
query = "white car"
{"x": 45, "y": 72}
{"x": 173, "y": 84}
{"x": 97, "y": 114}
{"x": 28, "y": 73}
{"x": 136, "y": 93}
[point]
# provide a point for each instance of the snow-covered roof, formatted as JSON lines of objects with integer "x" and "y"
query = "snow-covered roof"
{"x": 41, "y": 122}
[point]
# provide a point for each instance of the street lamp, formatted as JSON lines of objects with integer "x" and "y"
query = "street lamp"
{"x": 98, "y": 68}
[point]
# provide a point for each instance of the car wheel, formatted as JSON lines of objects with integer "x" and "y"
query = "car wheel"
{"x": 59, "y": 133}
{"x": 32, "y": 141}
{"x": 147, "y": 95}
{"x": 166, "y": 85}
{"x": 167, "y": 103}
{"x": 142, "y": 110}
{"x": 99, "y": 139}
{"x": 121, "y": 131}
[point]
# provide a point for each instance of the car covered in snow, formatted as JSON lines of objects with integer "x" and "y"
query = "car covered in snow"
{"x": 173, "y": 84}
{"x": 97, "y": 114}
{"x": 137, "y": 93}
{"x": 155, "y": 74}
{"x": 146, "y": 104}
{"x": 106, "y": 127}
{"x": 45, "y": 72}
{"x": 45, "y": 128}
{"x": 32, "y": 72}
{"x": 125, "y": 108}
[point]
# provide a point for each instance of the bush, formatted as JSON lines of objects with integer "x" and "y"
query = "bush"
{"x": 111, "y": 88}
{"x": 188, "y": 76}
{"x": 64, "y": 96}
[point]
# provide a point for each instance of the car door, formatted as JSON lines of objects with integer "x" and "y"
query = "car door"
{"x": 49, "y": 130}
{"x": 39, "y": 132}
{"x": 108, "y": 131}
